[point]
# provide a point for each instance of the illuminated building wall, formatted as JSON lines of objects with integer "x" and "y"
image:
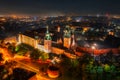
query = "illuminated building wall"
{"x": 28, "y": 40}
{"x": 47, "y": 46}
{"x": 99, "y": 51}
{"x": 53, "y": 49}
{"x": 59, "y": 41}
{"x": 11, "y": 39}
{"x": 19, "y": 38}
{"x": 57, "y": 50}
{"x": 41, "y": 47}
{"x": 111, "y": 33}
{"x": 67, "y": 42}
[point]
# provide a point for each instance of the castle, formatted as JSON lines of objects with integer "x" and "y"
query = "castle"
{"x": 67, "y": 40}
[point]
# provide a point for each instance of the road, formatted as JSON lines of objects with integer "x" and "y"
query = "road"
{"x": 34, "y": 67}
{"x": 21, "y": 63}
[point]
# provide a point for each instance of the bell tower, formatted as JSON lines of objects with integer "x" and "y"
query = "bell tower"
{"x": 47, "y": 42}
{"x": 67, "y": 37}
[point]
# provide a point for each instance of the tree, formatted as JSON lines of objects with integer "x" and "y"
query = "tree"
{"x": 11, "y": 48}
{"x": 107, "y": 68}
{"x": 22, "y": 49}
{"x": 44, "y": 56}
{"x": 35, "y": 54}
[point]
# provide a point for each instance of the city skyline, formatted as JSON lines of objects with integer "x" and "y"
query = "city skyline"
{"x": 59, "y": 7}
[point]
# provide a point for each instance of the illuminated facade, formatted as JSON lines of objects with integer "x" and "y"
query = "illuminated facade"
{"x": 27, "y": 40}
{"x": 67, "y": 42}
{"x": 11, "y": 39}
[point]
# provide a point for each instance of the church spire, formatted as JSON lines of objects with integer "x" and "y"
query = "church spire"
{"x": 47, "y": 31}
{"x": 47, "y": 35}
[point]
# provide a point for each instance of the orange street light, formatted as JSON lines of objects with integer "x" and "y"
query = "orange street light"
{"x": 93, "y": 48}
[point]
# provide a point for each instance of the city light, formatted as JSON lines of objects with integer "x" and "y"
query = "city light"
{"x": 53, "y": 42}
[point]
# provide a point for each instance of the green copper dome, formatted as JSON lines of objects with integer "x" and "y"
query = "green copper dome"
{"x": 47, "y": 35}
{"x": 67, "y": 32}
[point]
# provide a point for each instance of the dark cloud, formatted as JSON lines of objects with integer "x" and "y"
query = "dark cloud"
{"x": 37, "y": 7}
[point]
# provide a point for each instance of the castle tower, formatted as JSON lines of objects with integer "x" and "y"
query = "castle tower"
{"x": 47, "y": 42}
{"x": 67, "y": 37}
{"x": 73, "y": 40}
{"x": 19, "y": 38}
{"x": 59, "y": 36}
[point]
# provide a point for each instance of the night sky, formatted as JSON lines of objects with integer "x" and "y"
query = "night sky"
{"x": 59, "y": 7}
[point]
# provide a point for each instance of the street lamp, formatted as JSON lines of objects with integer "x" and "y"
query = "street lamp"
{"x": 93, "y": 48}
